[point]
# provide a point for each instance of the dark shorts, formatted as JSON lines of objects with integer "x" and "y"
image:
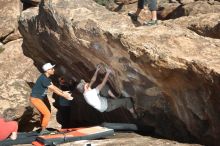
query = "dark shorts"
{"x": 152, "y": 4}
{"x": 120, "y": 102}
{"x": 104, "y": 91}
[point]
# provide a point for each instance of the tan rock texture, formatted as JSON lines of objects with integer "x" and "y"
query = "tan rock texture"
{"x": 17, "y": 71}
{"x": 201, "y": 7}
{"x": 176, "y": 10}
{"x": 203, "y": 24}
{"x": 184, "y": 66}
{"x": 17, "y": 74}
{"x": 9, "y": 13}
{"x": 13, "y": 63}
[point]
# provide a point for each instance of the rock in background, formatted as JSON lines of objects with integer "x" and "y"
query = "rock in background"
{"x": 17, "y": 72}
{"x": 9, "y": 13}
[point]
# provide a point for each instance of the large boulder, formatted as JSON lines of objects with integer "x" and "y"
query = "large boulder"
{"x": 201, "y": 7}
{"x": 171, "y": 72}
{"x": 17, "y": 72}
{"x": 204, "y": 24}
{"x": 9, "y": 13}
{"x": 176, "y": 10}
{"x": 13, "y": 63}
{"x": 17, "y": 75}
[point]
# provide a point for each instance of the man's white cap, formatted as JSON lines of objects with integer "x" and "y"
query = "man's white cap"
{"x": 47, "y": 66}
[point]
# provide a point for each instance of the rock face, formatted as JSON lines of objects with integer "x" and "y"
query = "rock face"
{"x": 9, "y": 13}
{"x": 203, "y": 24}
{"x": 176, "y": 10}
{"x": 171, "y": 72}
{"x": 14, "y": 65}
{"x": 17, "y": 71}
{"x": 17, "y": 74}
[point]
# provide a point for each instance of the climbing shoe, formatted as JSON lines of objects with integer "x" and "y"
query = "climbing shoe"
{"x": 44, "y": 132}
{"x": 150, "y": 23}
{"x": 133, "y": 16}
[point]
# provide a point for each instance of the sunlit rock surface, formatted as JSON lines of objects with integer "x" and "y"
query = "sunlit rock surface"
{"x": 17, "y": 72}
{"x": 9, "y": 13}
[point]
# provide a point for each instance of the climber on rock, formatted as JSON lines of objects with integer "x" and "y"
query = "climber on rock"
{"x": 103, "y": 104}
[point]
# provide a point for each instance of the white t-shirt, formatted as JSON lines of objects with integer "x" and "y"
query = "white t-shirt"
{"x": 93, "y": 98}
